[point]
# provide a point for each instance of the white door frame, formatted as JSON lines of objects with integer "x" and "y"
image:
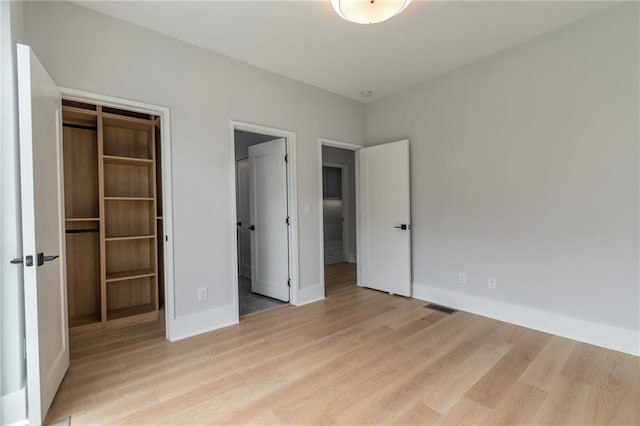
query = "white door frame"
{"x": 292, "y": 200}
{"x": 167, "y": 186}
{"x": 344, "y": 183}
{"x": 351, "y": 147}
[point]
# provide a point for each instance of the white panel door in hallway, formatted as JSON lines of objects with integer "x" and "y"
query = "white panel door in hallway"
{"x": 385, "y": 227}
{"x": 45, "y": 298}
{"x": 244, "y": 236}
{"x": 269, "y": 216}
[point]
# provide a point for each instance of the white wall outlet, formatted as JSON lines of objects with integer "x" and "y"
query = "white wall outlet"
{"x": 202, "y": 294}
{"x": 462, "y": 278}
{"x": 492, "y": 283}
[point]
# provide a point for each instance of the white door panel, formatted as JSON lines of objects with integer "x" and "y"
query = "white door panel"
{"x": 268, "y": 212}
{"x": 244, "y": 235}
{"x": 384, "y": 206}
{"x": 40, "y": 112}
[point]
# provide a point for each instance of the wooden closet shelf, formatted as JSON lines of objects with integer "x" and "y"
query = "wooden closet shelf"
{"x": 117, "y": 120}
{"x": 81, "y": 321}
{"x": 127, "y": 312}
{"x": 114, "y": 159}
{"x": 83, "y": 111}
{"x": 82, "y": 219}
{"x": 131, "y": 237}
{"x": 130, "y": 275}
{"x": 129, "y": 198}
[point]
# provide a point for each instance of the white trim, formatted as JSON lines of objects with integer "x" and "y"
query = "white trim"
{"x": 167, "y": 186}
{"x": 311, "y": 294}
{"x": 338, "y": 144}
{"x": 14, "y": 408}
{"x": 344, "y": 183}
{"x": 607, "y": 336}
{"x": 292, "y": 199}
{"x": 350, "y": 147}
{"x": 203, "y": 321}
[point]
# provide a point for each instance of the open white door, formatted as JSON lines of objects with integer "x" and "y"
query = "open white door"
{"x": 242, "y": 208}
{"x": 385, "y": 226}
{"x": 269, "y": 216}
{"x": 45, "y": 296}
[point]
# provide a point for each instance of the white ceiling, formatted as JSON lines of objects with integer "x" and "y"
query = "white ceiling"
{"x": 307, "y": 41}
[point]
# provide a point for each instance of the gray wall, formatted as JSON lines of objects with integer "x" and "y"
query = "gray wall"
{"x": 525, "y": 167}
{"x": 86, "y": 50}
{"x": 13, "y": 369}
{"x": 347, "y": 158}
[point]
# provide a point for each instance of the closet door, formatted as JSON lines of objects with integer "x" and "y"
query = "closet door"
{"x": 45, "y": 298}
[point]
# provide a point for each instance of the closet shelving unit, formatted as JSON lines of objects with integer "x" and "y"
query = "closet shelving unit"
{"x": 113, "y": 217}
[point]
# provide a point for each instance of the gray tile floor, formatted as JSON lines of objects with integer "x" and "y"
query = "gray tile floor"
{"x": 252, "y": 302}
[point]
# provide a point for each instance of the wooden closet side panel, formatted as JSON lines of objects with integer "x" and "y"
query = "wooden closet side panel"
{"x": 80, "y": 148}
{"x": 83, "y": 278}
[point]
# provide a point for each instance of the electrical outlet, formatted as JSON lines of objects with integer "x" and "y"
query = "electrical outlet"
{"x": 462, "y": 278}
{"x": 202, "y": 294}
{"x": 491, "y": 283}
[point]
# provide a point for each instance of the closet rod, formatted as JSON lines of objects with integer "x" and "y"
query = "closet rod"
{"x": 79, "y": 126}
{"x": 81, "y": 231}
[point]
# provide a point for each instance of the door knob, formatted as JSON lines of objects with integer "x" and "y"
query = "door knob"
{"x": 404, "y": 227}
{"x": 252, "y": 228}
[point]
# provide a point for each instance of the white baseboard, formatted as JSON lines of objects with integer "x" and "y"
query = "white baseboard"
{"x": 202, "y": 322}
{"x": 14, "y": 408}
{"x": 311, "y": 294}
{"x": 619, "y": 339}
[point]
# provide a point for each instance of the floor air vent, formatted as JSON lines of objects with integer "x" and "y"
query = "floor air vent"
{"x": 441, "y": 308}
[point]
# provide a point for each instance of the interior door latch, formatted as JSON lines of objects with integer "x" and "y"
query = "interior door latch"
{"x": 28, "y": 260}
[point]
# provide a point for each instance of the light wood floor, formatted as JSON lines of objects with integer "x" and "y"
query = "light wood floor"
{"x": 359, "y": 357}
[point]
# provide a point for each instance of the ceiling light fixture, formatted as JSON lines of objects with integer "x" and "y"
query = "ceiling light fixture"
{"x": 368, "y": 11}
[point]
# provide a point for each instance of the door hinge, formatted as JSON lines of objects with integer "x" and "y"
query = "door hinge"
{"x": 286, "y": 158}
{"x": 287, "y": 221}
{"x": 289, "y": 282}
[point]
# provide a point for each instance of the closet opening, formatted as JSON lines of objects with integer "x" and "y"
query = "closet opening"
{"x": 338, "y": 217}
{"x": 114, "y": 231}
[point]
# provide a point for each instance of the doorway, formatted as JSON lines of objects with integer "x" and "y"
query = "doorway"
{"x": 264, "y": 218}
{"x": 338, "y": 214}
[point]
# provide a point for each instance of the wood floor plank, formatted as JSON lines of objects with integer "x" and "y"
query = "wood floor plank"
{"x": 465, "y": 412}
{"x": 564, "y": 403}
{"x": 519, "y": 406}
{"x": 492, "y": 387}
{"x": 547, "y": 365}
{"x": 358, "y": 357}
